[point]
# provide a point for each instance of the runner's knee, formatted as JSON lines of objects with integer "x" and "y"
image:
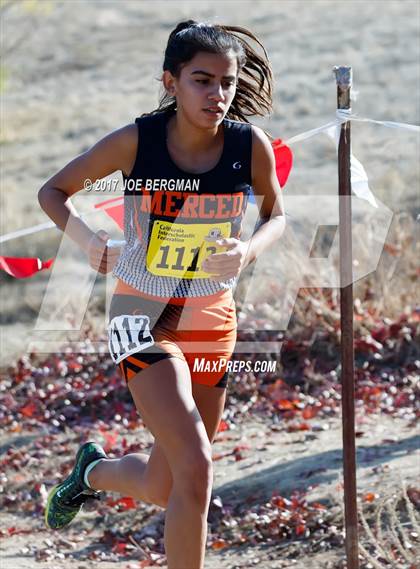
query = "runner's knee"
{"x": 193, "y": 474}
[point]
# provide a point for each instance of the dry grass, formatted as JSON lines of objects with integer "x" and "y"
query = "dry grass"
{"x": 388, "y": 291}
{"x": 391, "y": 537}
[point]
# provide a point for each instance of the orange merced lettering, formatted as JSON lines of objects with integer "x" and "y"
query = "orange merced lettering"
{"x": 238, "y": 200}
{"x": 156, "y": 206}
{"x": 171, "y": 207}
{"x": 221, "y": 205}
{"x": 202, "y": 207}
{"x": 190, "y": 206}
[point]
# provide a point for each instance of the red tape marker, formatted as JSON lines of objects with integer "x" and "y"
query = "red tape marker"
{"x": 23, "y": 267}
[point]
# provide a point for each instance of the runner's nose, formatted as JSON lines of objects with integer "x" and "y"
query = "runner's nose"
{"x": 218, "y": 94}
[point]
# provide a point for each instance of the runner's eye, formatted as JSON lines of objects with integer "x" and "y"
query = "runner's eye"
{"x": 205, "y": 81}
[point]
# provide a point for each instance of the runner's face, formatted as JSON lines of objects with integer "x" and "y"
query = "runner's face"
{"x": 208, "y": 80}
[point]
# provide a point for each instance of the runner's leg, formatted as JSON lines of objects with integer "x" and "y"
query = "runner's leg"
{"x": 145, "y": 477}
{"x": 149, "y": 478}
{"x": 163, "y": 396}
{"x": 157, "y": 476}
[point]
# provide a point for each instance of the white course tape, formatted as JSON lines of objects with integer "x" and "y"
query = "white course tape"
{"x": 27, "y": 231}
{"x": 310, "y": 133}
{"x": 51, "y": 224}
{"x": 344, "y": 115}
{"x": 359, "y": 179}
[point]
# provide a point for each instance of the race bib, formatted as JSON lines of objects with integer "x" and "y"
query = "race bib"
{"x": 179, "y": 249}
{"x": 128, "y": 334}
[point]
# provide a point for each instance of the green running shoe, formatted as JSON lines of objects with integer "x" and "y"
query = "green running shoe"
{"x": 67, "y": 498}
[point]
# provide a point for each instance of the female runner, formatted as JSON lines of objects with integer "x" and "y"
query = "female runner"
{"x": 172, "y": 322}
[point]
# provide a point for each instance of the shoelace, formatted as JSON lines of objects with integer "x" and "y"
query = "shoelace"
{"x": 81, "y": 498}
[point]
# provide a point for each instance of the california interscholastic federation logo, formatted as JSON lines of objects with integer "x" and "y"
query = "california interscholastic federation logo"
{"x": 214, "y": 234}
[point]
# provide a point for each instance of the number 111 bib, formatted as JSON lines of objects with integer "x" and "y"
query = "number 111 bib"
{"x": 179, "y": 249}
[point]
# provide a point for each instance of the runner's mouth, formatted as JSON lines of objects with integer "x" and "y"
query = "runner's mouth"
{"x": 213, "y": 112}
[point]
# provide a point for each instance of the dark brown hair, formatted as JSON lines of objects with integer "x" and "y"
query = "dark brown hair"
{"x": 255, "y": 77}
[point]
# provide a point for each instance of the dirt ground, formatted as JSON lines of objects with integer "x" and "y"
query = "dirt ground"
{"x": 387, "y": 451}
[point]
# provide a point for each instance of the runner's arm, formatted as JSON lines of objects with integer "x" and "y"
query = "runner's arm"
{"x": 272, "y": 222}
{"x": 116, "y": 151}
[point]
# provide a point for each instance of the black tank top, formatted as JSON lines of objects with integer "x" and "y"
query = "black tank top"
{"x": 172, "y": 217}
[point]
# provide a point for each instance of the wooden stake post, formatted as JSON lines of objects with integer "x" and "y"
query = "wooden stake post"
{"x": 344, "y": 81}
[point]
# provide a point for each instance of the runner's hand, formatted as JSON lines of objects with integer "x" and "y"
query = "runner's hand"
{"x": 102, "y": 258}
{"x": 228, "y": 264}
